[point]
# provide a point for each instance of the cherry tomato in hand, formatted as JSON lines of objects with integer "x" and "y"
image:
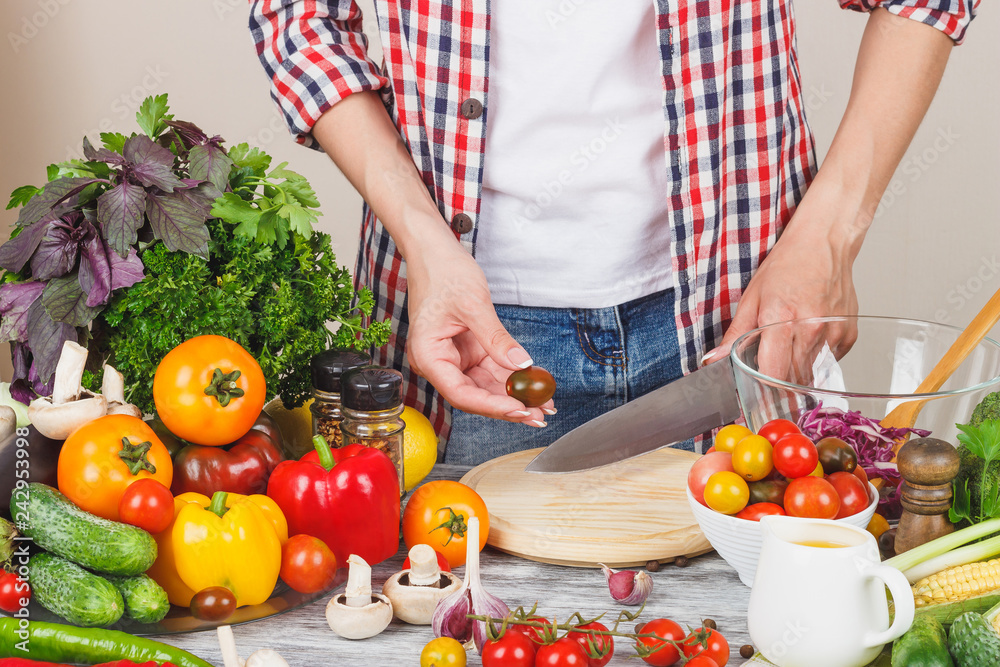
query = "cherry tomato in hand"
{"x": 753, "y": 458}
{"x": 562, "y": 653}
{"x": 705, "y": 467}
{"x": 14, "y": 592}
{"x": 664, "y": 653}
{"x": 776, "y": 429}
{"x": 709, "y": 644}
{"x": 853, "y": 494}
{"x": 795, "y": 455}
{"x": 147, "y": 504}
{"x": 215, "y": 603}
{"x": 812, "y": 498}
{"x": 602, "y": 643}
{"x": 728, "y": 436}
{"x": 442, "y": 562}
{"x": 533, "y": 386}
{"x": 757, "y": 510}
{"x": 727, "y": 492}
{"x": 307, "y": 564}
{"x": 511, "y": 650}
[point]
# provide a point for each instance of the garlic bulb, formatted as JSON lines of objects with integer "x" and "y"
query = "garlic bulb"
{"x": 626, "y": 586}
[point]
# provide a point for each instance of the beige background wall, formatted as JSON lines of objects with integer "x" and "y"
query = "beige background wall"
{"x": 75, "y": 67}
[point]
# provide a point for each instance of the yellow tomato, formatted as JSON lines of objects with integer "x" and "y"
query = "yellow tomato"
{"x": 877, "y": 525}
{"x": 443, "y": 652}
{"x": 728, "y": 436}
{"x": 752, "y": 458}
{"x": 727, "y": 492}
{"x": 818, "y": 472}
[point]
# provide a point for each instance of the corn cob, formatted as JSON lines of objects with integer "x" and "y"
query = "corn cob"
{"x": 958, "y": 583}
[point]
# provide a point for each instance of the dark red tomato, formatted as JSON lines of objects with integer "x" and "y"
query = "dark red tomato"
{"x": 307, "y": 564}
{"x": 708, "y": 644}
{"x": 511, "y": 650}
{"x": 215, "y": 603}
{"x": 563, "y": 653}
{"x": 533, "y": 386}
{"x": 812, "y": 498}
{"x": 701, "y": 661}
{"x": 853, "y": 494}
{"x": 148, "y": 504}
{"x": 14, "y": 592}
{"x": 768, "y": 491}
{"x": 667, "y": 654}
{"x": 757, "y": 510}
{"x": 836, "y": 455}
{"x": 860, "y": 473}
{"x": 442, "y": 563}
{"x": 599, "y": 643}
{"x": 776, "y": 429}
{"x": 537, "y": 635}
{"x": 795, "y": 455}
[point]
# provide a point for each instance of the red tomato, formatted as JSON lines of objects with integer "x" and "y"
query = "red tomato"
{"x": 705, "y": 467}
{"x": 853, "y": 494}
{"x": 667, "y": 654}
{"x": 776, "y": 429}
{"x": 563, "y": 653}
{"x": 307, "y": 564}
{"x": 148, "y": 504}
{"x": 795, "y": 455}
{"x": 702, "y": 661}
{"x": 442, "y": 562}
{"x": 511, "y": 650}
{"x": 757, "y": 510}
{"x": 14, "y": 592}
{"x": 812, "y": 498}
{"x": 860, "y": 473}
{"x": 708, "y": 644}
{"x": 601, "y": 643}
{"x": 536, "y": 635}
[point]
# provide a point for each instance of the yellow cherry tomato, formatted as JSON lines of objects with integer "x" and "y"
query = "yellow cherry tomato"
{"x": 443, "y": 652}
{"x": 727, "y": 492}
{"x": 752, "y": 458}
{"x": 818, "y": 472}
{"x": 877, "y": 525}
{"x": 728, "y": 436}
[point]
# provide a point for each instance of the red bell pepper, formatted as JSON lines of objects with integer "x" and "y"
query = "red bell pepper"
{"x": 21, "y": 662}
{"x": 347, "y": 497}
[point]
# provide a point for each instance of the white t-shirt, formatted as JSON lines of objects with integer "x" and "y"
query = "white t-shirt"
{"x": 575, "y": 209}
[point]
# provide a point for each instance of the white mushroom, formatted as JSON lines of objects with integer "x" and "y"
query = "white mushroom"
{"x": 113, "y": 388}
{"x": 70, "y": 406}
{"x": 264, "y": 657}
{"x": 357, "y": 613}
{"x": 415, "y": 592}
{"x": 8, "y": 422}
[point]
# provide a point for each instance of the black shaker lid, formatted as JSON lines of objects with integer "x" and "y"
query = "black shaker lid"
{"x": 328, "y": 366}
{"x": 371, "y": 388}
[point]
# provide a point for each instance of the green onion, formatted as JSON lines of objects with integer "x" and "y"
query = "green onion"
{"x": 972, "y": 553}
{"x": 944, "y": 552}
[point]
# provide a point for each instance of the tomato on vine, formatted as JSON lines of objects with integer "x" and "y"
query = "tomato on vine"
{"x": 599, "y": 644}
{"x": 512, "y": 650}
{"x": 707, "y": 643}
{"x": 654, "y": 650}
{"x": 563, "y": 652}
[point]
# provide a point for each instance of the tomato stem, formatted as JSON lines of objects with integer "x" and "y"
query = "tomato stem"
{"x": 223, "y": 386}
{"x": 455, "y": 523}
{"x": 325, "y": 455}
{"x": 135, "y": 456}
{"x": 218, "y": 504}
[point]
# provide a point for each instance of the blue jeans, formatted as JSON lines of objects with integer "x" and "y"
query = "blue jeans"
{"x": 600, "y": 358}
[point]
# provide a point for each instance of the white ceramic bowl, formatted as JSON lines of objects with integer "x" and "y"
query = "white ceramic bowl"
{"x": 738, "y": 541}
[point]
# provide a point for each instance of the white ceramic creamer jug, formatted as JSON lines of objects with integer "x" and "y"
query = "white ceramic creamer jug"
{"x": 818, "y": 597}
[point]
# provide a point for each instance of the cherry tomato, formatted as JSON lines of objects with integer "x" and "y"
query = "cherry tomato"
{"x": 147, "y": 504}
{"x": 701, "y": 661}
{"x": 853, "y": 494}
{"x": 307, "y": 564}
{"x": 795, "y": 455}
{"x": 215, "y": 603}
{"x": 812, "y": 498}
{"x": 776, "y": 429}
{"x": 753, "y": 458}
{"x": 442, "y": 562}
{"x": 768, "y": 491}
{"x": 818, "y": 471}
{"x": 836, "y": 455}
{"x": 438, "y": 514}
{"x": 602, "y": 643}
{"x": 860, "y": 473}
{"x": 709, "y": 644}
{"x": 757, "y": 510}
{"x": 726, "y": 492}
{"x": 443, "y": 652}
{"x": 877, "y": 525}
{"x": 728, "y": 436}
{"x": 666, "y": 654}
{"x": 533, "y": 386}
{"x": 562, "y": 653}
{"x": 511, "y": 650}
{"x": 536, "y": 635}
{"x": 209, "y": 390}
{"x": 15, "y": 593}
{"x": 705, "y": 467}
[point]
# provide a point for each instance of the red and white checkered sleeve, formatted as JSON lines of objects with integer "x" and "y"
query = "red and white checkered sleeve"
{"x": 315, "y": 53}
{"x": 952, "y": 17}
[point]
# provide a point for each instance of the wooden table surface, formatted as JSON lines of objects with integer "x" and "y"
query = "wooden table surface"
{"x": 706, "y": 588}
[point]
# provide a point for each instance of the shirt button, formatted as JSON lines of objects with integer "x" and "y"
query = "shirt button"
{"x": 461, "y": 224}
{"x": 472, "y": 108}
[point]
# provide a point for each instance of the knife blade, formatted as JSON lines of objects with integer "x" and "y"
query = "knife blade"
{"x": 693, "y": 404}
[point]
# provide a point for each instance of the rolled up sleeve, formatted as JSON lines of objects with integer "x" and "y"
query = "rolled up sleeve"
{"x": 316, "y": 54}
{"x": 952, "y": 17}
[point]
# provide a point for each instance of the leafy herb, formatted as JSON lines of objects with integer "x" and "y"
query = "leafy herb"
{"x": 983, "y": 442}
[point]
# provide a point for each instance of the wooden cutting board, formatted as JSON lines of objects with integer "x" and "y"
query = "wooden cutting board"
{"x": 624, "y": 514}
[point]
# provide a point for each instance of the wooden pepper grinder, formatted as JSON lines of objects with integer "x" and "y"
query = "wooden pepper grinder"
{"x": 927, "y": 466}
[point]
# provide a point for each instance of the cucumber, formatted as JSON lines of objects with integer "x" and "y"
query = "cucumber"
{"x": 67, "y": 589}
{"x": 925, "y": 644}
{"x": 108, "y": 547}
{"x": 145, "y": 600}
{"x": 973, "y": 642}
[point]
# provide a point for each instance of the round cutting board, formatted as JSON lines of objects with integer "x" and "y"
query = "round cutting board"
{"x": 622, "y": 514}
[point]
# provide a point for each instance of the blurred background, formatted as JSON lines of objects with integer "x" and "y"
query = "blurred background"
{"x": 72, "y": 68}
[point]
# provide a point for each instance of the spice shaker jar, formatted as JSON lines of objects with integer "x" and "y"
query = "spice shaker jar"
{"x": 327, "y": 369}
{"x": 372, "y": 399}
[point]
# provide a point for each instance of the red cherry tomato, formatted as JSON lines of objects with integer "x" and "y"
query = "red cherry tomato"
{"x": 602, "y": 643}
{"x": 812, "y": 498}
{"x": 776, "y": 429}
{"x": 853, "y": 494}
{"x": 860, "y": 473}
{"x": 536, "y": 635}
{"x": 148, "y": 504}
{"x": 442, "y": 563}
{"x": 705, "y": 467}
{"x": 215, "y": 603}
{"x": 702, "y": 661}
{"x": 706, "y": 643}
{"x": 511, "y": 650}
{"x": 307, "y": 564}
{"x": 667, "y": 654}
{"x": 757, "y": 510}
{"x": 795, "y": 455}
{"x": 562, "y": 653}
{"x": 15, "y": 593}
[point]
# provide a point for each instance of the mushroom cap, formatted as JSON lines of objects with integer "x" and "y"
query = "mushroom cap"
{"x": 58, "y": 421}
{"x": 359, "y": 622}
{"x": 415, "y": 604}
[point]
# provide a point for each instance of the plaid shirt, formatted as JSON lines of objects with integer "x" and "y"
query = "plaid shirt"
{"x": 738, "y": 148}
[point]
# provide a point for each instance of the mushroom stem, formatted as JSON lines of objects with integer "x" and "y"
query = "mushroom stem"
{"x": 424, "y": 570}
{"x": 113, "y": 385}
{"x": 69, "y": 373}
{"x": 8, "y": 422}
{"x": 227, "y": 644}
{"x": 358, "y": 592}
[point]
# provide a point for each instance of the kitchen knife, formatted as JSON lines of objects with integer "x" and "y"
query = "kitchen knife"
{"x": 696, "y": 403}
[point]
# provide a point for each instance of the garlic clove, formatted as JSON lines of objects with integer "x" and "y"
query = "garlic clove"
{"x": 627, "y": 587}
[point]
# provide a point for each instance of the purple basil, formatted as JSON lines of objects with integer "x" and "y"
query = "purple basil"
{"x": 210, "y": 163}
{"x": 45, "y": 339}
{"x": 120, "y": 211}
{"x": 150, "y": 163}
{"x": 15, "y": 299}
{"x": 178, "y": 222}
{"x": 56, "y": 196}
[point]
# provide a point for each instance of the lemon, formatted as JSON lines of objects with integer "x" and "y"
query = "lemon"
{"x": 419, "y": 447}
{"x": 295, "y": 425}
